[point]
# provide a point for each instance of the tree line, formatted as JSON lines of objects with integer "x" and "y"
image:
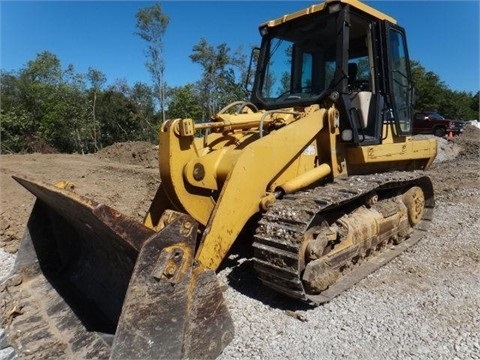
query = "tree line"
{"x": 432, "y": 94}
{"x": 77, "y": 112}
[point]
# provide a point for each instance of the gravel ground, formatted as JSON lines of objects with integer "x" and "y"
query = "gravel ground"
{"x": 425, "y": 304}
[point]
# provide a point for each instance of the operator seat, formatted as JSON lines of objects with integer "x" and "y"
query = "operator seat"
{"x": 360, "y": 99}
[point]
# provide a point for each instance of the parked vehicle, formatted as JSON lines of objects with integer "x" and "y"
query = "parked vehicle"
{"x": 430, "y": 122}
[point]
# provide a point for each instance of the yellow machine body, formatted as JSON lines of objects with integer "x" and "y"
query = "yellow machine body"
{"x": 321, "y": 160}
{"x": 226, "y": 177}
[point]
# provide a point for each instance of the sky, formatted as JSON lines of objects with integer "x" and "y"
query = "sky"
{"x": 442, "y": 35}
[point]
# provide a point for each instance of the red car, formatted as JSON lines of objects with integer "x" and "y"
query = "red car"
{"x": 430, "y": 122}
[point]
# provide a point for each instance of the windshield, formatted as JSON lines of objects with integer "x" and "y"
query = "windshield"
{"x": 435, "y": 116}
{"x": 300, "y": 61}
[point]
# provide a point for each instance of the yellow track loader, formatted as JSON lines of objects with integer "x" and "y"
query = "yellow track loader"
{"x": 321, "y": 160}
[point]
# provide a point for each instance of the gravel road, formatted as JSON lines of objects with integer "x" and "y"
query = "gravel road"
{"x": 425, "y": 304}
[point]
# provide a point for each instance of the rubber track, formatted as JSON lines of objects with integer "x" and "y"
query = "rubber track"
{"x": 280, "y": 234}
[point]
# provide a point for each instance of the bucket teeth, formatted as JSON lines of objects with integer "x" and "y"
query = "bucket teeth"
{"x": 173, "y": 306}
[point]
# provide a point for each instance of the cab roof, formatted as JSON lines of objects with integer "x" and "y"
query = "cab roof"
{"x": 319, "y": 7}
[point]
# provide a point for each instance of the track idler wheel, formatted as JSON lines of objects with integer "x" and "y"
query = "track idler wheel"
{"x": 414, "y": 200}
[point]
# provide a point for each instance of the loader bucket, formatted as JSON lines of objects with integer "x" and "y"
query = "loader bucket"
{"x": 89, "y": 282}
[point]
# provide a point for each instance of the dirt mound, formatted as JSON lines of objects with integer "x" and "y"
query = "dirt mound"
{"x": 131, "y": 153}
{"x": 38, "y": 145}
{"x": 469, "y": 141}
{"x": 127, "y": 188}
{"x": 446, "y": 150}
{"x": 465, "y": 146}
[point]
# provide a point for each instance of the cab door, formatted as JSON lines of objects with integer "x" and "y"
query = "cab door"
{"x": 398, "y": 76}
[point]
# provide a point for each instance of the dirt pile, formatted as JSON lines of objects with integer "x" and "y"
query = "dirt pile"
{"x": 38, "y": 145}
{"x": 469, "y": 142}
{"x": 124, "y": 176}
{"x": 132, "y": 153}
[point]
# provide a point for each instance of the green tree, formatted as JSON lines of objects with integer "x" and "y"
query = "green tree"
{"x": 144, "y": 111}
{"x": 48, "y": 102}
{"x": 429, "y": 88}
{"x": 117, "y": 111}
{"x": 45, "y": 69}
{"x": 219, "y": 85}
{"x": 97, "y": 80}
{"x": 65, "y": 124}
{"x": 14, "y": 126}
{"x": 11, "y": 94}
{"x": 184, "y": 102}
{"x": 474, "y": 106}
{"x": 433, "y": 94}
{"x": 43, "y": 101}
{"x": 38, "y": 81}
{"x": 152, "y": 23}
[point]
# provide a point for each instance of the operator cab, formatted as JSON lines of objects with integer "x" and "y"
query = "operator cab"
{"x": 343, "y": 52}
